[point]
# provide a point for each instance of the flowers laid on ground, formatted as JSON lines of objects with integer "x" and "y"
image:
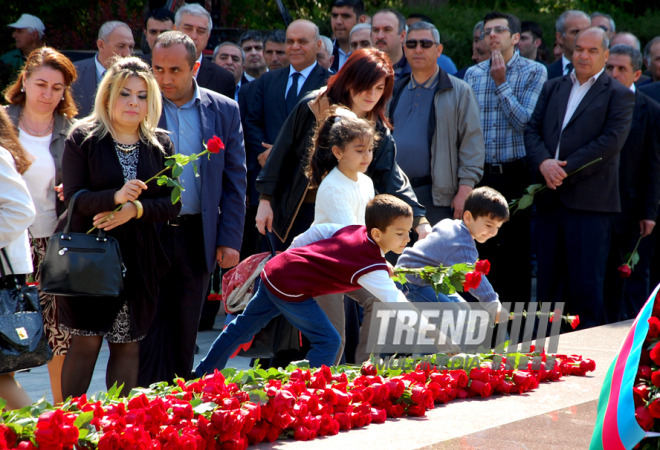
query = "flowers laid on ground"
{"x": 447, "y": 280}
{"x": 646, "y": 390}
{"x": 232, "y": 409}
{"x": 176, "y": 163}
{"x": 573, "y": 321}
{"x": 528, "y": 197}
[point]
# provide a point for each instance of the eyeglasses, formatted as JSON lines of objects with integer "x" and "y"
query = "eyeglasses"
{"x": 497, "y": 30}
{"x": 425, "y": 43}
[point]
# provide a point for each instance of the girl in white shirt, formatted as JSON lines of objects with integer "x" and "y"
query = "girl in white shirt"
{"x": 343, "y": 150}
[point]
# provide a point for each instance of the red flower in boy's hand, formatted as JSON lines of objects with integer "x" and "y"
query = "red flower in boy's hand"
{"x": 625, "y": 271}
{"x": 472, "y": 281}
{"x": 215, "y": 145}
{"x": 482, "y": 266}
{"x": 574, "y": 321}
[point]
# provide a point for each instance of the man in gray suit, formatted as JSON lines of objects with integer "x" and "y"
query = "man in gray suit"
{"x": 115, "y": 39}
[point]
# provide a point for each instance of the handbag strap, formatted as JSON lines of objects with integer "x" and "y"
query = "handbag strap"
{"x": 3, "y": 252}
{"x": 71, "y": 208}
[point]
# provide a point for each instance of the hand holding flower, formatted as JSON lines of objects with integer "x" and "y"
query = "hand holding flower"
{"x": 112, "y": 219}
{"x": 129, "y": 192}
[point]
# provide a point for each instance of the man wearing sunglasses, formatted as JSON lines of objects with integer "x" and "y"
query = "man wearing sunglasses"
{"x": 440, "y": 145}
{"x": 507, "y": 87}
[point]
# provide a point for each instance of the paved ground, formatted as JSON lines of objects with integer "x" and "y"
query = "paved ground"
{"x": 37, "y": 384}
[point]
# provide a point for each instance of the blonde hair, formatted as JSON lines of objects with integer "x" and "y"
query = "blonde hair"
{"x": 99, "y": 122}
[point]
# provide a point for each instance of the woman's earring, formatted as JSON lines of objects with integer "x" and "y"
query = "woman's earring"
{"x": 22, "y": 88}
{"x": 62, "y": 99}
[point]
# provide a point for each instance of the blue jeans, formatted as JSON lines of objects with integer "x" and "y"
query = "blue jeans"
{"x": 307, "y": 316}
{"x": 415, "y": 293}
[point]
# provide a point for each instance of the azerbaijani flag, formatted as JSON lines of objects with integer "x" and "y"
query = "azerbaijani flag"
{"x": 616, "y": 427}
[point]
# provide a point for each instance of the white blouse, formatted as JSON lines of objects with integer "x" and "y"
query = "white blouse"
{"x": 341, "y": 200}
{"x": 40, "y": 180}
{"x": 16, "y": 215}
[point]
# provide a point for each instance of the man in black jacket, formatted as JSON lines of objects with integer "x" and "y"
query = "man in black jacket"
{"x": 578, "y": 118}
{"x": 195, "y": 21}
{"x": 639, "y": 188}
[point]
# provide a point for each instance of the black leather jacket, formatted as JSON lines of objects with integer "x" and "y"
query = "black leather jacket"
{"x": 282, "y": 181}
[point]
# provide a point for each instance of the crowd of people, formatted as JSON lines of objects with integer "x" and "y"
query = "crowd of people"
{"x": 313, "y": 129}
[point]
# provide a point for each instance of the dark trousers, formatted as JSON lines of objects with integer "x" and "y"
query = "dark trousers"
{"x": 509, "y": 252}
{"x": 168, "y": 349}
{"x": 572, "y": 255}
{"x": 624, "y": 297}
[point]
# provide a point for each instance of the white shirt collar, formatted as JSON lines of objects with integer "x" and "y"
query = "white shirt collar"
{"x": 564, "y": 62}
{"x": 305, "y": 72}
{"x": 100, "y": 70}
{"x": 591, "y": 80}
{"x": 248, "y": 77}
{"x": 633, "y": 88}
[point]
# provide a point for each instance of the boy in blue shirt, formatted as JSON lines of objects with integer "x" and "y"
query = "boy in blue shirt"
{"x": 452, "y": 242}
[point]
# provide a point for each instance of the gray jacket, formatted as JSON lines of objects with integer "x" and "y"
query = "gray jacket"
{"x": 455, "y": 137}
{"x": 61, "y": 129}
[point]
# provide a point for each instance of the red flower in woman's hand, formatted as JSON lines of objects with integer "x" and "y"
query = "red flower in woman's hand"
{"x": 215, "y": 145}
{"x": 482, "y": 266}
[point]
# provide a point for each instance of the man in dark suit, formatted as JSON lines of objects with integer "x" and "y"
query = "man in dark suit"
{"x": 578, "y": 118}
{"x": 639, "y": 188}
{"x": 652, "y": 60}
{"x": 272, "y": 94}
{"x": 651, "y": 90}
{"x": 115, "y": 39}
{"x": 568, "y": 26}
{"x": 210, "y": 226}
{"x": 195, "y": 21}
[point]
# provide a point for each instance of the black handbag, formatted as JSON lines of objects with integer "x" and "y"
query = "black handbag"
{"x": 278, "y": 336}
{"x": 23, "y": 342}
{"x": 79, "y": 264}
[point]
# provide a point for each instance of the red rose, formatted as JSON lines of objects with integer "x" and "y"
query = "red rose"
{"x": 481, "y": 388}
{"x": 28, "y": 445}
{"x": 655, "y": 378}
{"x": 655, "y": 354}
{"x": 644, "y": 418}
{"x": 644, "y": 372}
{"x": 303, "y": 434}
{"x": 654, "y": 329}
{"x": 654, "y": 408}
{"x": 284, "y": 399}
{"x": 640, "y": 394}
{"x": 472, "y": 281}
{"x": 396, "y": 388}
{"x": 368, "y": 369}
{"x": 215, "y": 145}
{"x": 625, "y": 271}
{"x": 416, "y": 410}
{"x": 378, "y": 415}
{"x": 482, "y": 266}
{"x": 575, "y": 321}
{"x": 421, "y": 396}
{"x": 214, "y": 297}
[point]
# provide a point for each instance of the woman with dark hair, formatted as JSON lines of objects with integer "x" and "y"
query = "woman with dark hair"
{"x": 41, "y": 108}
{"x": 286, "y": 207}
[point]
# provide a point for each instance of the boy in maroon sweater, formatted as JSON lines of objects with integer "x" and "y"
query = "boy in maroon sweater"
{"x": 327, "y": 259}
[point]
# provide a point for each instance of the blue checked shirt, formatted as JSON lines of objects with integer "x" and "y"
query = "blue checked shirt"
{"x": 506, "y": 109}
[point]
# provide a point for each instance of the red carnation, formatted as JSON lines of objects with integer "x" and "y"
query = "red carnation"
{"x": 482, "y": 266}
{"x": 472, "y": 281}
{"x": 625, "y": 271}
{"x": 215, "y": 145}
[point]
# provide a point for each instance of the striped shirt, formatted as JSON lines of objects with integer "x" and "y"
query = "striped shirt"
{"x": 506, "y": 109}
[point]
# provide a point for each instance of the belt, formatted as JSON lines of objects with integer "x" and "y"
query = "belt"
{"x": 181, "y": 220}
{"x": 513, "y": 166}
{"x": 421, "y": 181}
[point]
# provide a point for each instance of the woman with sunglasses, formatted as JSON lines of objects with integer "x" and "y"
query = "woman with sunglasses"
{"x": 364, "y": 85}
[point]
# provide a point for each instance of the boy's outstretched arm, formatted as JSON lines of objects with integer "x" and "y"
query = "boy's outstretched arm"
{"x": 381, "y": 286}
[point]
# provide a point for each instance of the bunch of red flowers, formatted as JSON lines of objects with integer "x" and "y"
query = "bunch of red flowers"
{"x": 473, "y": 279}
{"x": 211, "y": 413}
{"x": 645, "y": 391}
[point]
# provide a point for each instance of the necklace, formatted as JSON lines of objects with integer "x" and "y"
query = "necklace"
{"x": 127, "y": 148}
{"x": 46, "y": 132}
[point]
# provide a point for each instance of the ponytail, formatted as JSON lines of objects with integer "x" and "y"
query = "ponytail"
{"x": 337, "y": 129}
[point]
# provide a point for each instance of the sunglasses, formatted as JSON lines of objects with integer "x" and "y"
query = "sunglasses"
{"x": 425, "y": 43}
{"x": 497, "y": 30}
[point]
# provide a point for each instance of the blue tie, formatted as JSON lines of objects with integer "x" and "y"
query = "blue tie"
{"x": 292, "y": 95}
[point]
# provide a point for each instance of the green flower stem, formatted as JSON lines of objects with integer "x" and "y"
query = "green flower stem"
{"x": 634, "y": 251}
{"x": 545, "y": 186}
{"x": 146, "y": 182}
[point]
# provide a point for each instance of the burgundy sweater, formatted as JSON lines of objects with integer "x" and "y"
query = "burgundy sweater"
{"x": 328, "y": 266}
